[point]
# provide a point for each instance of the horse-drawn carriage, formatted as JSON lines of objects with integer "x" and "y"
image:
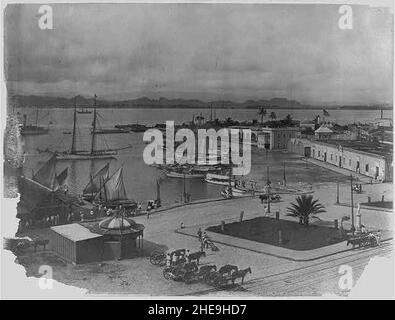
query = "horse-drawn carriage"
{"x": 272, "y": 197}
{"x": 180, "y": 272}
{"x": 175, "y": 257}
{"x": 364, "y": 240}
{"x": 226, "y": 274}
{"x": 189, "y": 272}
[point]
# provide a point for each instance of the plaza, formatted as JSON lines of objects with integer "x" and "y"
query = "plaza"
{"x": 281, "y": 272}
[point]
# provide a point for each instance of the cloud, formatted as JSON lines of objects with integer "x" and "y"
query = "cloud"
{"x": 250, "y": 51}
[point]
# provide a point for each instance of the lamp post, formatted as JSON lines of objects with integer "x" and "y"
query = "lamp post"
{"x": 352, "y": 205}
{"x": 284, "y": 179}
{"x": 268, "y": 190}
{"x": 184, "y": 191}
{"x": 337, "y": 193}
{"x": 158, "y": 201}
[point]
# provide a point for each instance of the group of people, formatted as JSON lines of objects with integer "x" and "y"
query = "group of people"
{"x": 175, "y": 256}
{"x": 70, "y": 217}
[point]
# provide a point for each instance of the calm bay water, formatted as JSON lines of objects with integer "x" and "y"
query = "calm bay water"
{"x": 140, "y": 179}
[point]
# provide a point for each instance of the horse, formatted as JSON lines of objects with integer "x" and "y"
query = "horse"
{"x": 206, "y": 269}
{"x": 227, "y": 269}
{"x": 240, "y": 274}
{"x": 40, "y": 242}
{"x": 196, "y": 256}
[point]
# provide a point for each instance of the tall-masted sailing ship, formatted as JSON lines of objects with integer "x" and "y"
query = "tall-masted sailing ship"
{"x": 93, "y": 153}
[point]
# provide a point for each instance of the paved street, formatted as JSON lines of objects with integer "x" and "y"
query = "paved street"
{"x": 271, "y": 275}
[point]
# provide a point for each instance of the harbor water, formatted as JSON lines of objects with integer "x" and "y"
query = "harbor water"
{"x": 140, "y": 179}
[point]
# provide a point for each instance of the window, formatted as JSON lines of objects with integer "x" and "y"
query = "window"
{"x": 367, "y": 167}
{"x": 349, "y": 162}
{"x": 331, "y": 156}
{"x": 319, "y": 153}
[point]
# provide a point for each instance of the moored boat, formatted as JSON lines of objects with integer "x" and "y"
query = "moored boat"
{"x": 112, "y": 193}
{"x": 234, "y": 194}
{"x": 93, "y": 153}
{"x": 95, "y": 181}
{"x": 184, "y": 174}
{"x": 219, "y": 179}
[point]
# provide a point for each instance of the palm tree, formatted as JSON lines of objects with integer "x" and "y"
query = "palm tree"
{"x": 305, "y": 208}
{"x": 288, "y": 119}
{"x": 262, "y": 112}
{"x": 273, "y": 115}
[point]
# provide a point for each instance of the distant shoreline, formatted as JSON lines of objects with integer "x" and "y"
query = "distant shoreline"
{"x": 367, "y": 108}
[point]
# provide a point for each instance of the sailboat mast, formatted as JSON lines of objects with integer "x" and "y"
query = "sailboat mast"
{"x": 73, "y": 141}
{"x": 93, "y": 142}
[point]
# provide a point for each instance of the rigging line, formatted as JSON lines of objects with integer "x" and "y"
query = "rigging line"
{"x": 104, "y": 136}
{"x": 44, "y": 116}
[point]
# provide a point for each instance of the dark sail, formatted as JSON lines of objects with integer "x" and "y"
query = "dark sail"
{"x": 113, "y": 189}
{"x": 96, "y": 181}
{"x": 46, "y": 175}
{"x": 61, "y": 178}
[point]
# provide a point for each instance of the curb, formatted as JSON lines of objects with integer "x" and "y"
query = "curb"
{"x": 275, "y": 255}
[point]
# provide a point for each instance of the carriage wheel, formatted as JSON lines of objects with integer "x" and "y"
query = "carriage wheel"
{"x": 156, "y": 257}
{"x": 167, "y": 274}
{"x": 188, "y": 278}
{"x": 219, "y": 282}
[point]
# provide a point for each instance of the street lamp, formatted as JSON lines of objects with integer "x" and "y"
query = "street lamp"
{"x": 268, "y": 190}
{"x": 352, "y": 205}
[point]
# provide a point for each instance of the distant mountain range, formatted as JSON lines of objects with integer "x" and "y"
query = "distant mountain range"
{"x": 144, "y": 102}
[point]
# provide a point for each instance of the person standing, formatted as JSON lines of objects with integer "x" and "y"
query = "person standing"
{"x": 199, "y": 234}
{"x": 168, "y": 260}
{"x": 204, "y": 240}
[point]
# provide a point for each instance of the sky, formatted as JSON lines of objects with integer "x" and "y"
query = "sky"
{"x": 202, "y": 51}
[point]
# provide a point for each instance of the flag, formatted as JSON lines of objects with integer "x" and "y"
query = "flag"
{"x": 326, "y": 113}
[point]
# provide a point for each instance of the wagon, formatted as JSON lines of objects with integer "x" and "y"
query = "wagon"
{"x": 158, "y": 258}
{"x": 364, "y": 240}
{"x": 222, "y": 280}
{"x": 194, "y": 276}
{"x": 180, "y": 272}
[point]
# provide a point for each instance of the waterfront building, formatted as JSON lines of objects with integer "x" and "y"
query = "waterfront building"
{"x": 276, "y": 138}
{"x": 370, "y": 159}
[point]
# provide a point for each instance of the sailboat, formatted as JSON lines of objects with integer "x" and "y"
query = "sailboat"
{"x": 93, "y": 153}
{"x": 46, "y": 176}
{"x": 95, "y": 183}
{"x": 112, "y": 192}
